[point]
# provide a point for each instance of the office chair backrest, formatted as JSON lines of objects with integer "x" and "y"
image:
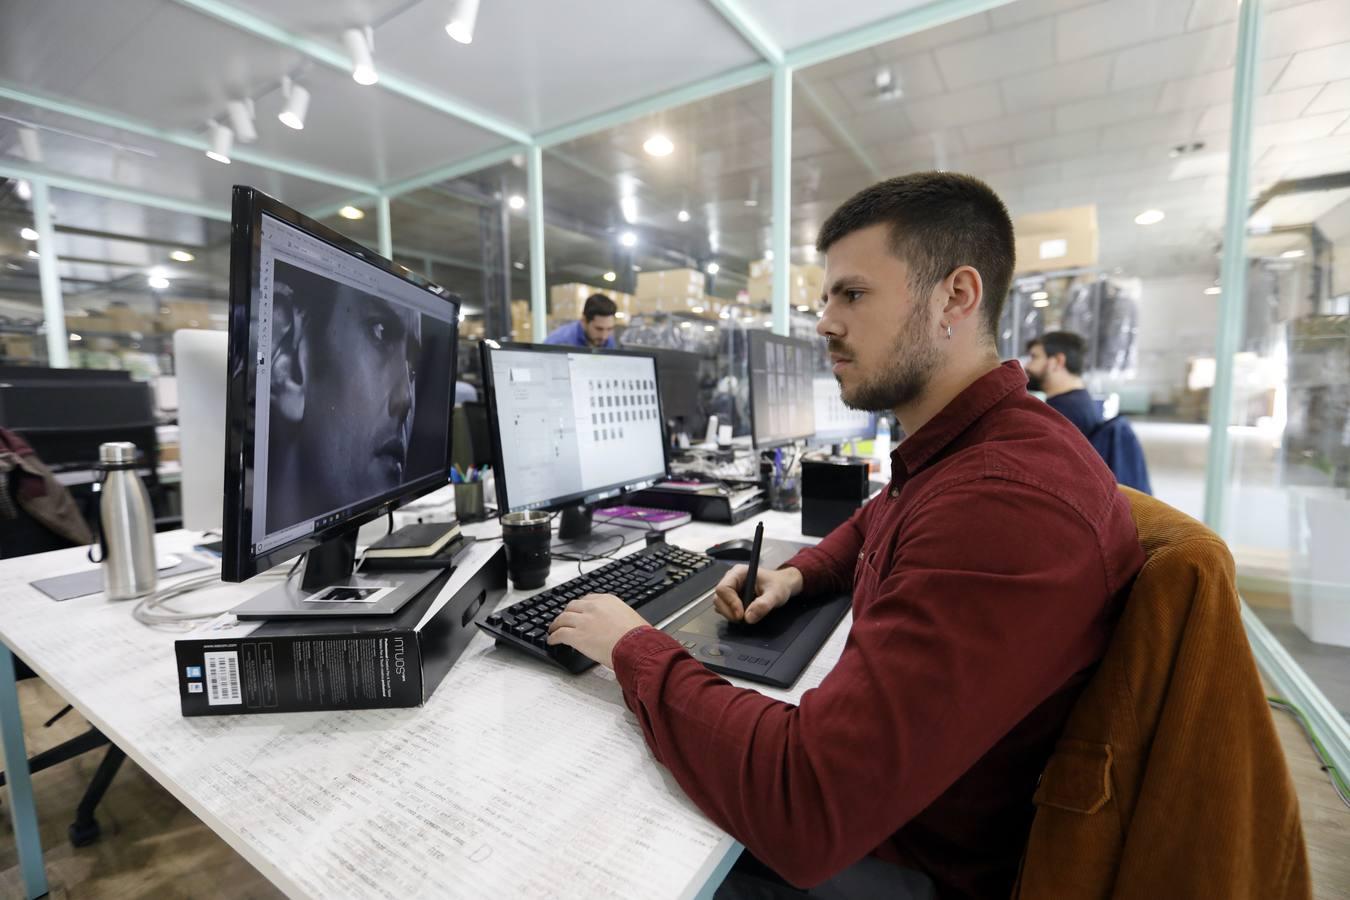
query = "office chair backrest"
{"x": 1169, "y": 779}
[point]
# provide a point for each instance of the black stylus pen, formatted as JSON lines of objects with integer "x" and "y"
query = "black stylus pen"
{"x": 748, "y": 589}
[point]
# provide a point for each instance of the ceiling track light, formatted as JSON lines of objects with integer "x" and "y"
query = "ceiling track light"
{"x": 222, "y": 141}
{"x": 297, "y": 104}
{"x": 887, "y": 88}
{"x": 31, "y": 144}
{"x": 463, "y": 18}
{"x": 241, "y": 120}
{"x": 682, "y": 215}
{"x": 360, "y": 44}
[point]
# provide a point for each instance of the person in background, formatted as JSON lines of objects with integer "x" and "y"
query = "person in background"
{"x": 595, "y": 328}
{"x": 1055, "y": 368}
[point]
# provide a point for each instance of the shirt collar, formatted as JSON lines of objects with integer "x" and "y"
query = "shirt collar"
{"x": 917, "y": 449}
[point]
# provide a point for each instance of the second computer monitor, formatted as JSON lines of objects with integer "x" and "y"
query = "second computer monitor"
{"x": 782, "y": 404}
{"x": 572, "y": 427}
{"x": 835, "y": 422}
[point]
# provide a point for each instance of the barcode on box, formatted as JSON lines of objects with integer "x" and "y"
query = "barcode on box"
{"x": 222, "y": 679}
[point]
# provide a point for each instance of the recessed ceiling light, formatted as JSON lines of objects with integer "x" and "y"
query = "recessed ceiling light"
{"x": 519, "y": 265}
{"x": 463, "y": 17}
{"x": 658, "y": 145}
{"x": 76, "y": 337}
{"x": 637, "y": 268}
{"x": 609, "y": 276}
{"x": 696, "y": 309}
{"x": 628, "y": 239}
{"x": 1291, "y": 254}
{"x": 621, "y": 315}
{"x": 1040, "y": 295}
{"x": 181, "y": 256}
{"x": 751, "y": 202}
{"x": 713, "y": 268}
{"x": 23, "y": 189}
{"x": 28, "y": 234}
{"x": 1041, "y": 304}
{"x": 515, "y": 201}
{"x": 724, "y": 314}
{"x": 158, "y": 282}
{"x": 1213, "y": 291}
{"x": 352, "y": 212}
{"x": 682, "y": 215}
{"x": 32, "y": 254}
{"x": 803, "y": 308}
{"x": 709, "y": 327}
{"x": 1150, "y": 217}
{"x": 297, "y": 105}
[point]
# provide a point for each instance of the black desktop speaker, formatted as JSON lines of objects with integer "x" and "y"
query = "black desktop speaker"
{"x": 831, "y": 490}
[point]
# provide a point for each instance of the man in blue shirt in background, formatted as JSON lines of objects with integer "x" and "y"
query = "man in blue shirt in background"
{"x": 595, "y": 328}
{"x": 1056, "y": 368}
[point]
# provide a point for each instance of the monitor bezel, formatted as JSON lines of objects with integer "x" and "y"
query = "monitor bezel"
{"x": 755, "y": 441}
{"x": 238, "y": 562}
{"x": 583, "y": 498}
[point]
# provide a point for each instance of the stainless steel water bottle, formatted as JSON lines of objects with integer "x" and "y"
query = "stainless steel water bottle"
{"x": 127, "y": 525}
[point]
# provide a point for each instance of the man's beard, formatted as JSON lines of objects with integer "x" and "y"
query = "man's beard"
{"x": 914, "y": 358}
{"x": 1034, "y": 382}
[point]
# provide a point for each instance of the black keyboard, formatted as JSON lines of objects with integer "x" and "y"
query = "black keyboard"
{"x": 657, "y": 581}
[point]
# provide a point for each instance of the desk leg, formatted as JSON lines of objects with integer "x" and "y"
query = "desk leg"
{"x": 19, "y": 781}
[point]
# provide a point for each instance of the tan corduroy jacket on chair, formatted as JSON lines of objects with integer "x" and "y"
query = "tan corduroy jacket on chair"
{"x": 1169, "y": 780}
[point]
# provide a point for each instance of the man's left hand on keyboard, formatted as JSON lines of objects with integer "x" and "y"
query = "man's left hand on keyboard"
{"x": 593, "y": 624}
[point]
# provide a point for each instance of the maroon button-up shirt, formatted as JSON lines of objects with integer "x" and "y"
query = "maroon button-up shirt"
{"x": 985, "y": 582}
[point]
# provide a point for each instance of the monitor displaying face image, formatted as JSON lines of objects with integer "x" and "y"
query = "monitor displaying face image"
{"x": 341, "y": 403}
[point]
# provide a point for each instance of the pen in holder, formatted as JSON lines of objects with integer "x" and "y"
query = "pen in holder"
{"x": 785, "y": 483}
{"x": 468, "y": 494}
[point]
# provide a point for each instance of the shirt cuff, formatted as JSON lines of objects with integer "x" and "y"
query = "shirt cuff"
{"x": 634, "y": 647}
{"x": 816, "y": 568}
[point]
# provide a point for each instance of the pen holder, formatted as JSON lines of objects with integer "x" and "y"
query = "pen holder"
{"x": 469, "y": 501}
{"x": 785, "y": 493}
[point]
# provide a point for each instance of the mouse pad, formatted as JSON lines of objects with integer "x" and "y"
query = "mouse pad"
{"x": 82, "y": 584}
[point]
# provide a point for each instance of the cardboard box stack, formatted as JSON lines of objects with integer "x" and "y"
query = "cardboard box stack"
{"x": 1058, "y": 239}
{"x": 804, "y": 285}
{"x": 669, "y": 290}
{"x": 522, "y": 326}
{"x": 567, "y": 300}
{"x": 176, "y": 314}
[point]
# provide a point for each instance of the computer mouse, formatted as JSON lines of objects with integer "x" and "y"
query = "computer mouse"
{"x": 737, "y": 550}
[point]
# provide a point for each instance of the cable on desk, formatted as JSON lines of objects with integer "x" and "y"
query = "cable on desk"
{"x": 153, "y": 611}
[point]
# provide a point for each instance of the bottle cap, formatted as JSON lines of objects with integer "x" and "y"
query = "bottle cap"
{"x": 117, "y": 452}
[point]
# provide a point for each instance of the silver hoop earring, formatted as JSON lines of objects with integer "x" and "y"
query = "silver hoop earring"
{"x": 949, "y": 332}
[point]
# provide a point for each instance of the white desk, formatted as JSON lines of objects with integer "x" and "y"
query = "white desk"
{"x": 515, "y": 779}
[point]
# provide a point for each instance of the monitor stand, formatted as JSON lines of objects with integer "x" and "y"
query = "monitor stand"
{"x": 579, "y": 535}
{"x": 328, "y": 586}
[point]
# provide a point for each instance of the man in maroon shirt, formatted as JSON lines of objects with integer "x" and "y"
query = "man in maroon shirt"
{"x": 985, "y": 581}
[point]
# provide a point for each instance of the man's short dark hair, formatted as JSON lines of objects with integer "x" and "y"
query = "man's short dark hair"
{"x": 1072, "y": 345}
{"x": 938, "y": 221}
{"x": 598, "y": 305}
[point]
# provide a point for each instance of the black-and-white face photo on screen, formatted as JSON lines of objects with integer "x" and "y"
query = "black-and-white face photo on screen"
{"x": 358, "y": 392}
